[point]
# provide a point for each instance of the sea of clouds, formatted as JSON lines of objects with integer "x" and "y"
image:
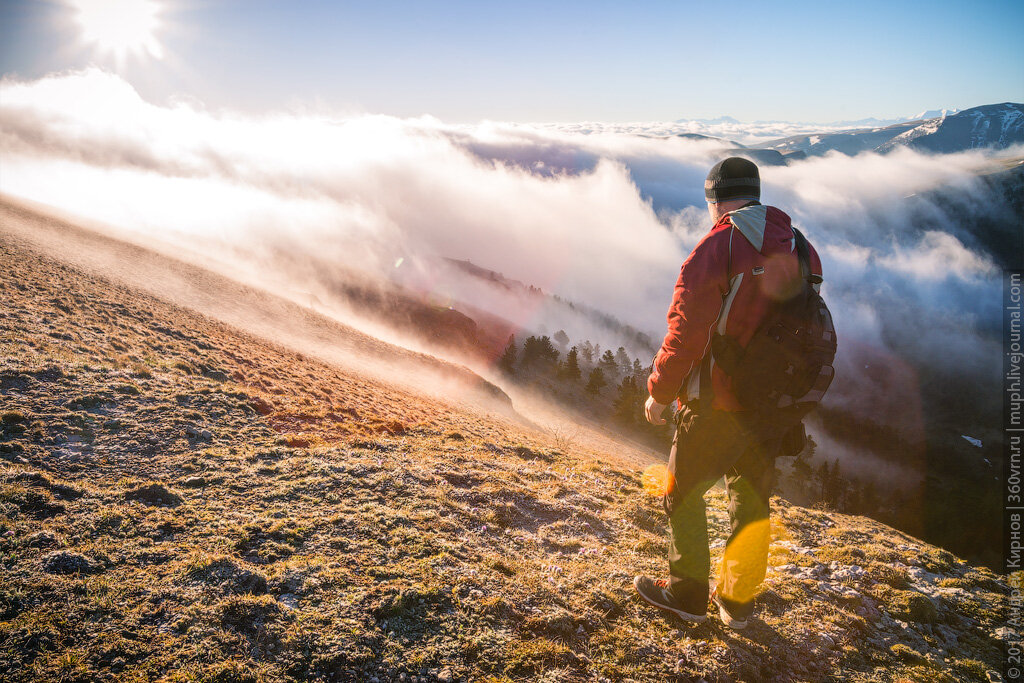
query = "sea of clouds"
{"x": 599, "y": 214}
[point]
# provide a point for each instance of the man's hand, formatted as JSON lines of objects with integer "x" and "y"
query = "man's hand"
{"x": 653, "y": 410}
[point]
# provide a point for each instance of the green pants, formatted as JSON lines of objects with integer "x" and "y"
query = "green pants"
{"x": 707, "y": 447}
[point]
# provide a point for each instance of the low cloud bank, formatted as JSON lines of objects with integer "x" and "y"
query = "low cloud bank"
{"x": 727, "y": 128}
{"x": 604, "y": 219}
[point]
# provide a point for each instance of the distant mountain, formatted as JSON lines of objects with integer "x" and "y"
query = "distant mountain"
{"x": 932, "y": 114}
{"x": 711, "y": 122}
{"x": 698, "y": 136}
{"x": 870, "y": 122}
{"x": 848, "y": 142}
{"x": 992, "y": 126}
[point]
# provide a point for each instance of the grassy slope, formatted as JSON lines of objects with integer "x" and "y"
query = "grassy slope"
{"x": 180, "y": 501}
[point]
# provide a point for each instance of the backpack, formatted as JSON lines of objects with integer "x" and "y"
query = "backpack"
{"x": 787, "y": 365}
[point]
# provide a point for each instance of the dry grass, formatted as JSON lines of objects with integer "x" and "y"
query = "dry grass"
{"x": 227, "y": 510}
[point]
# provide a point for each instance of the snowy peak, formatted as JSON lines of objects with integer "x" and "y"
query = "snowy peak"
{"x": 991, "y": 126}
{"x": 932, "y": 114}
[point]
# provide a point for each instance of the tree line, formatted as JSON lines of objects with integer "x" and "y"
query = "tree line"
{"x": 609, "y": 381}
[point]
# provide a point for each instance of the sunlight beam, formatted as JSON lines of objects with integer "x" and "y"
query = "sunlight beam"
{"x": 120, "y": 28}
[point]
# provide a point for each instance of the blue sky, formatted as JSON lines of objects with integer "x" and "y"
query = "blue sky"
{"x": 555, "y": 61}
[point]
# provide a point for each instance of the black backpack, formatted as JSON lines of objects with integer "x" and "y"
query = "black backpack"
{"x": 787, "y": 365}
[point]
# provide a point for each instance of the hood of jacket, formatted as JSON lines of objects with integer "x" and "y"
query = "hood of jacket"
{"x": 754, "y": 221}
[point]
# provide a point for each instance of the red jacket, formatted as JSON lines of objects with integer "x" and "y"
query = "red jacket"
{"x": 726, "y": 285}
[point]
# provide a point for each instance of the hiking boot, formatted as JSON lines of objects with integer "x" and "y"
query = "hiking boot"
{"x": 734, "y": 614}
{"x": 656, "y": 592}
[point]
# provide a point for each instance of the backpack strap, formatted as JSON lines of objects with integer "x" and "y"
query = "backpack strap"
{"x": 803, "y": 254}
{"x": 707, "y": 396}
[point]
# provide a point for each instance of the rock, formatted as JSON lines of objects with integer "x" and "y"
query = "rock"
{"x": 445, "y": 675}
{"x": 153, "y": 494}
{"x": 852, "y": 571}
{"x": 118, "y": 664}
{"x": 948, "y": 636}
{"x": 194, "y": 482}
{"x": 66, "y": 562}
{"x": 289, "y": 600}
{"x": 198, "y": 433}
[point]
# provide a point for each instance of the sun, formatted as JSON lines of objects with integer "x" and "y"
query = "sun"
{"x": 120, "y": 28}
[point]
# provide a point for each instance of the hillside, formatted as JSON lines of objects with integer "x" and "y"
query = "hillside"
{"x": 250, "y": 491}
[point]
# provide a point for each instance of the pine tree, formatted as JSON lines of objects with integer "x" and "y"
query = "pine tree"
{"x": 571, "y": 369}
{"x": 507, "y": 362}
{"x": 538, "y": 351}
{"x": 548, "y": 352}
{"x": 587, "y": 352}
{"x": 837, "y": 487}
{"x": 622, "y": 359}
{"x": 823, "y": 474}
{"x": 608, "y": 364}
{"x": 627, "y": 403}
{"x": 596, "y": 382}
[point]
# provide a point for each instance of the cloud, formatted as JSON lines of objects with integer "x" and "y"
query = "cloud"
{"x": 747, "y": 134}
{"x": 599, "y": 214}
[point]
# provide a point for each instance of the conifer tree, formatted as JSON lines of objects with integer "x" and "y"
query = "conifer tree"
{"x": 507, "y": 362}
{"x": 608, "y": 365}
{"x": 622, "y": 360}
{"x": 538, "y": 351}
{"x": 627, "y": 401}
{"x": 571, "y": 369}
{"x": 596, "y": 382}
{"x": 587, "y": 352}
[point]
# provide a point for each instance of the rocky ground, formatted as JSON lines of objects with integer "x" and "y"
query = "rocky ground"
{"x": 180, "y": 500}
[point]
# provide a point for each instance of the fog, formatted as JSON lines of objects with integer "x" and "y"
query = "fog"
{"x": 599, "y": 215}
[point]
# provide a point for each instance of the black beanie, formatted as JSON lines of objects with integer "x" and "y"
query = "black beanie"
{"x": 733, "y": 178}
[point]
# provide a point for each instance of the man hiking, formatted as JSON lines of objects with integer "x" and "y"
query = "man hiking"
{"x": 726, "y": 289}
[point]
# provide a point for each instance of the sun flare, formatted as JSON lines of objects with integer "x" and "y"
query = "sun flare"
{"x": 120, "y": 28}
